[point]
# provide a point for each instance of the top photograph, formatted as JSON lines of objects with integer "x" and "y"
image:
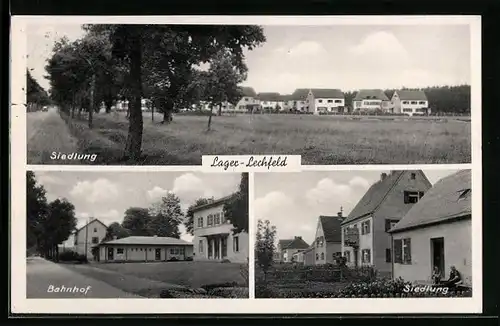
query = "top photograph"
{"x": 167, "y": 94}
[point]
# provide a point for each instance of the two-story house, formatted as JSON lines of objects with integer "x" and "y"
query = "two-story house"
{"x": 367, "y": 100}
{"x": 328, "y": 244}
{"x": 85, "y": 238}
{"x": 365, "y": 237}
{"x": 436, "y": 232}
{"x": 249, "y": 101}
{"x": 270, "y": 101}
{"x": 325, "y": 100}
{"x": 213, "y": 234}
{"x": 410, "y": 102}
{"x": 288, "y": 102}
{"x": 300, "y": 100}
{"x": 288, "y": 247}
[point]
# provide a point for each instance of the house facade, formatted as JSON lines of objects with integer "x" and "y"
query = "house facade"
{"x": 436, "y": 232}
{"x": 410, "y": 102}
{"x": 288, "y": 102}
{"x": 328, "y": 243}
{"x": 249, "y": 101}
{"x": 146, "y": 249}
{"x": 365, "y": 237}
{"x": 326, "y": 100}
{"x": 85, "y": 238}
{"x": 300, "y": 100}
{"x": 289, "y": 247}
{"x": 368, "y": 100}
{"x": 270, "y": 101}
{"x": 213, "y": 234}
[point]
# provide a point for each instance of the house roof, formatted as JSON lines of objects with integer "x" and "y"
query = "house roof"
{"x": 450, "y": 198}
{"x": 331, "y": 228}
{"x": 155, "y": 241}
{"x": 376, "y": 194}
{"x": 364, "y": 94}
{"x": 412, "y": 95}
{"x": 296, "y": 243}
{"x": 327, "y": 93}
{"x": 269, "y": 96}
{"x": 92, "y": 221}
{"x": 300, "y": 94}
{"x": 287, "y": 97}
{"x": 213, "y": 203}
{"x": 248, "y": 91}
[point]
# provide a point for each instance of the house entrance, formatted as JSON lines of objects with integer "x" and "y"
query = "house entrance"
{"x": 437, "y": 254}
{"x": 224, "y": 247}
{"x": 157, "y": 254}
{"x": 111, "y": 253}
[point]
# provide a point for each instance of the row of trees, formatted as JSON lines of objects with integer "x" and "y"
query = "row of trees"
{"x": 265, "y": 245}
{"x": 158, "y": 62}
{"x": 164, "y": 217}
{"x": 36, "y": 96}
{"x": 47, "y": 223}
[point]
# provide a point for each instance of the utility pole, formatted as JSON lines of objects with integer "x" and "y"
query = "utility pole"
{"x": 87, "y": 237}
{"x": 92, "y": 90}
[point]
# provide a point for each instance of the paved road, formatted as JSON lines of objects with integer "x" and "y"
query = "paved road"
{"x": 46, "y": 133}
{"x": 45, "y": 278}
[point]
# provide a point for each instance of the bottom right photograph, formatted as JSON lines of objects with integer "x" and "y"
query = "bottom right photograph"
{"x": 362, "y": 234}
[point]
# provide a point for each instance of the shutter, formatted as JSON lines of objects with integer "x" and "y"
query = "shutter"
{"x": 388, "y": 255}
{"x": 398, "y": 248}
{"x": 387, "y": 225}
{"x": 406, "y": 197}
{"x": 408, "y": 251}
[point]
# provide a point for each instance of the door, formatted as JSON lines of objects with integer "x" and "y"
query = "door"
{"x": 217, "y": 248}
{"x": 157, "y": 254}
{"x": 111, "y": 253}
{"x": 437, "y": 255}
{"x": 224, "y": 247}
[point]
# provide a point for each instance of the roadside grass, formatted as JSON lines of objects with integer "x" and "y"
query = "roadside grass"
{"x": 319, "y": 139}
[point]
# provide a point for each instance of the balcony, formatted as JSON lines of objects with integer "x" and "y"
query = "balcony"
{"x": 351, "y": 237}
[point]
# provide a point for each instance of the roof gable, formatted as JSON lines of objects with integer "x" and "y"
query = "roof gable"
{"x": 449, "y": 198}
{"x": 300, "y": 94}
{"x": 365, "y": 94}
{"x": 296, "y": 243}
{"x": 331, "y": 226}
{"x": 411, "y": 95}
{"x": 327, "y": 93}
{"x": 92, "y": 221}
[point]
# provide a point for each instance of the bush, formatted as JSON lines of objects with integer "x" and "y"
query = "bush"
{"x": 68, "y": 256}
{"x": 229, "y": 292}
{"x": 189, "y": 259}
{"x": 224, "y": 261}
{"x": 184, "y": 293}
{"x": 82, "y": 259}
{"x": 173, "y": 259}
{"x": 209, "y": 287}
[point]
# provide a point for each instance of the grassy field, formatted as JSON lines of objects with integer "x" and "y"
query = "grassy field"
{"x": 319, "y": 139}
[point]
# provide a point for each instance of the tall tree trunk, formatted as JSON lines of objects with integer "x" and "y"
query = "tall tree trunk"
{"x": 219, "y": 113}
{"x": 152, "y": 113}
{"x": 108, "y": 103}
{"x": 210, "y": 117}
{"x": 134, "y": 138}
{"x": 168, "y": 108}
{"x": 92, "y": 104}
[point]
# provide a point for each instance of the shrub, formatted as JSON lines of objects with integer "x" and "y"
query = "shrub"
{"x": 82, "y": 259}
{"x": 189, "y": 259}
{"x": 183, "y": 293}
{"x": 209, "y": 287}
{"x": 68, "y": 256}
{"x": 173, "y": 259}
{"x": 229, "y": 292}
{"x": 224, "y": 261}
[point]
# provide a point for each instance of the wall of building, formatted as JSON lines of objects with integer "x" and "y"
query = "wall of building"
{"x": 309, "y": 258}
{"x": 87, "y": 234}
{"x": 144, "y": 252}
{"x": 246, "y": 100}
{"x": 365, "y": 242}
{"x": 457, "y": 251}
{"x": 328, "y": 104}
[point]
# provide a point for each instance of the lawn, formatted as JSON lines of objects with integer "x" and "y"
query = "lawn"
{"x": 319, "y": 139}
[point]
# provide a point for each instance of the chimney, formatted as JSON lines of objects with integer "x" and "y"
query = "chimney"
{"x": 339, "y": 214}
{"x": 297, "y": 237}
{"x": 383, "y": 176}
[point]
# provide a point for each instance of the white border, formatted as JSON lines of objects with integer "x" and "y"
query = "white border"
{"x": 19, "y": 303}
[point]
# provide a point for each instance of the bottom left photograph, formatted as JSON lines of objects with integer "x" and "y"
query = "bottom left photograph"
{"x": 136, "y": 235}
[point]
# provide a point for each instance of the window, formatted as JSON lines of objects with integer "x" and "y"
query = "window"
{"x": 174, "y": 251}
{"x": 200, "y": 222}
{"x": 407, "y": 110}
{"x": 317, "y": 242}
{"x": 388, "y": 257}
{"x": 119, "y": 251}
{"x": 236, "y": 244}
{"x": 95, "y": 240}
{"x": 405, "y": 102}
{"x": 217, "y": 219}
{"x": 320, "y": 101}
{"x": 329, "y": 101}
{"x": 413, "y": 176}
{"x": 365, "y": 256}
{"x": 365, "y": 227}
{"x": 222, "y": 218}
{"x": 322, "y": 256}
{"x": 141, "y": 249}
{"x": 464, "y": 194}
{"x": 402, "y": 251}
{"x": 200, "y": 245}
{"x": 149, "y": 249}
{"x": 421, "y": 102}
{"x": 317, "y": 256}
{"x": 95, "y": 230}
{"x": 246, "y": 99}
{"x": 210, "y": 220}
{"x": 413, "y": 102}
{"x": 389, "y": 224}
{"x": 347, "y": 255}
{"x": 338, "y": 101}
{"x": 181, "y": 251}
{"x": 76, "y": 239}
{"x": 412, "y": 197}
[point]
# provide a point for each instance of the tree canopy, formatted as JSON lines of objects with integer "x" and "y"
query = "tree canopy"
{"x": 236, "y": 209}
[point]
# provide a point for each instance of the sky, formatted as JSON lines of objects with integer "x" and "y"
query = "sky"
{"x": 348, "y": 57}
{"x": 293, "y": 201}
{"x": 107, "y": 195}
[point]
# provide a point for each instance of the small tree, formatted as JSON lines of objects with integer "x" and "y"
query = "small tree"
{"x": 264, "y": 245}
{"x": 166, "y": 217}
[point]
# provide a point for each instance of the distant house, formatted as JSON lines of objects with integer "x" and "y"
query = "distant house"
{"x": 300, "y": 100}
{"x": 371, "y": 100}
{"x": 270, "y": 101}
{"x": 308, "y": 255}
{"x": 249, "y": 101}
{"x": 289, "y": 247}
{"x": 85, "y": 238}
{"x": 213, "y": 234}
{"x": 328, "y": 239}
{"x": 205, "y": 106}
{"x": 436, "y": 232}
{"x": 326, "y": 100}
{"x": 365, "y": 237}
{"x": 288, "y": 102}
{"x": 410, "y": 102}
{"x": 145, "y": 249}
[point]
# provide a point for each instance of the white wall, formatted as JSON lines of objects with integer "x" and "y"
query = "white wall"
{"x": 365, "y": 242}
{"x": 327, "y": 104}
{"x": 143, "y": 252}
{"x": 94, "y": 229}
{"x": 246, "y": 100}
{"x": 457, "y": 251}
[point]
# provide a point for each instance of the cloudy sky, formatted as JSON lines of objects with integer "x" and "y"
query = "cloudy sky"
{"x": 293, "y": 201}
{"x": 106, "y": 195}
{"x": 341, "y": 56}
